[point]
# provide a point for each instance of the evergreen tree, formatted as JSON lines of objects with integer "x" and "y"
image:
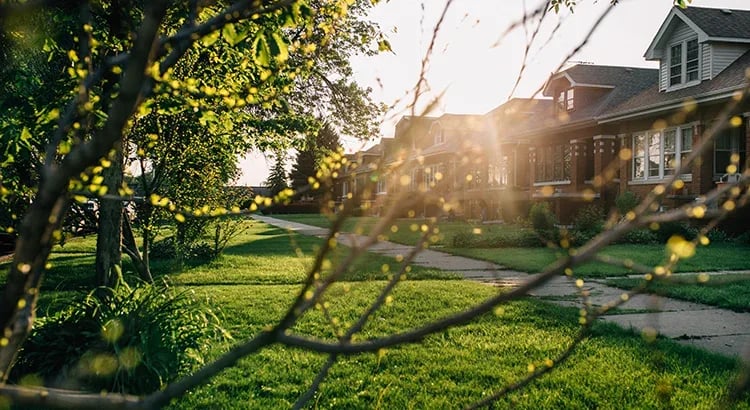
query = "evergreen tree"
{"x": 317, "y": 147}
{"x": 277, "y": 180}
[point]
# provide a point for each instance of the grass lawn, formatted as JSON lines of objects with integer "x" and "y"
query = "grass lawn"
{"x": 718, "y": 256}
{"x": 260, "y": 274}
{"x": 727, "y": 291}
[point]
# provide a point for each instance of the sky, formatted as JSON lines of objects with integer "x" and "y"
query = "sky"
{"x": 473, "y": 67}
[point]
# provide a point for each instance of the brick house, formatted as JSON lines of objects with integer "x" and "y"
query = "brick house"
{"x": 655, "y": 115}
{"x": 603, "y": 131}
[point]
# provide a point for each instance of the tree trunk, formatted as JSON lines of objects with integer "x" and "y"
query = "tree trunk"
{"x": 131, "y": 248}
{"x": 109, "y": 240}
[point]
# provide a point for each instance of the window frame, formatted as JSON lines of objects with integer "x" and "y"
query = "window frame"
{"x": 647, "y": 153}
{"x": 736, "y": 136}
{"x": 554, "y": 163}
{"x": 566, "y": 100}
{"x": 682, "y": 64}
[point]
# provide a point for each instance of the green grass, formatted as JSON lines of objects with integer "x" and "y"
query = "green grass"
{"x": 613, "y": 369}
{"x": 730, "y": 291}
{"x": 717, "y": 256}
{"x": 255, "y": 281}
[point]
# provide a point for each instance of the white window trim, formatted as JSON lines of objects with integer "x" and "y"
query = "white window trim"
{"x": 566, "y": 100}
{"x": 646, "y": 179}
{"x": 683, "y": 64}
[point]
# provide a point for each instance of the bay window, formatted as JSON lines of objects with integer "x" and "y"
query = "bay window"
{"x": 658, "y": 154}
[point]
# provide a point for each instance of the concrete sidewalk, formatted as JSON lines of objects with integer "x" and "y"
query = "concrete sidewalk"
{"x": 714, "y": 329}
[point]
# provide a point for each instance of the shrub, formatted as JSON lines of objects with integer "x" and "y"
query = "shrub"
{"x": 626, "y": 202}
{"x": 121, "y": 340}
{"x": 588, "y": 223}
{"x": 640, "y": 237}
{"x": 668, "y": 229}
{"x": 543, "y": 221}
{"x": 743, "y": 238}
{"x": 516, "y": 238}
{"x": 463, "y": 240}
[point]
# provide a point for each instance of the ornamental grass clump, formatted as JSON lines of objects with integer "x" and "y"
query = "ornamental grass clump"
{"x": 121, "y": 340}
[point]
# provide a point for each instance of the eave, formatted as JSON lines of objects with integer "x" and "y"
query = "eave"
{"x": 724, "y": 93}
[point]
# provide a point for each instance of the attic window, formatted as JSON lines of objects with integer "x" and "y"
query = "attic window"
{"x": 684, "y": 63}
{"x": 566, "y": 100}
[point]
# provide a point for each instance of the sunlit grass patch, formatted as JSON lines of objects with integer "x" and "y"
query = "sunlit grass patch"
{"x": 451, "y": 369}
{"x": 729, "y": 291}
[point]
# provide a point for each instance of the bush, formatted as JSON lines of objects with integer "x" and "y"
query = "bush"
{"x": 543, "y": 221}
{"x": 463, "y": 240}
{"x": 588, "y": 223}
{"x": 167, "y": 248}
{"x": 626, "y": 202}
{"x": 640, "y": 237}
{"x": 122, "y": 340}
{"x": 668, "y": 229}
{"x": 520, "y": 238}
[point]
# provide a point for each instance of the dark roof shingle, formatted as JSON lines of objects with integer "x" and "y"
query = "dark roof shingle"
{"x": 732, "y": 77}
{"x": 720, "y": 22}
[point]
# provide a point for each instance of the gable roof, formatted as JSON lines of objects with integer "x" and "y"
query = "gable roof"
{"x": 651, "y": 100}
{"x": 625, "y": 83}
{"x": 726, "y": 25}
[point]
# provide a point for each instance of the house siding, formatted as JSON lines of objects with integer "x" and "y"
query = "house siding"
{"x": 681, "y": 32}
{"x": 706, "y": 73}
{"x": 663, "y": 74}
{"x": 724, "y": 54}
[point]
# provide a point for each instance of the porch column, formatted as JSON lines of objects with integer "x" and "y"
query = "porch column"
{"x": 604, "y": 154}
{"x": 703, "y": 167}
{"x": 578, "y": 163}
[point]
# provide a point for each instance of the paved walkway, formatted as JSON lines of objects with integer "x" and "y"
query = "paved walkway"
{"x": 718, "y": 330}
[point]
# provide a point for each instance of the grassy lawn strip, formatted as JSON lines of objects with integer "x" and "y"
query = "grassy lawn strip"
{"x": 731, "y": 291}
{"x": 717, "y": 256}
{"x": 259, "y": 276}
{"x": 614, "y": 369}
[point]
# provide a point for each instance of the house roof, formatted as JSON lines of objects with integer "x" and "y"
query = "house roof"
{"x": 651, "y": 99}
{"x": 724, "y": 23}
{"x": 625, "y": 82}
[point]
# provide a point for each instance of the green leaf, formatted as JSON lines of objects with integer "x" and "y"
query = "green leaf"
{"x": 230, "y": 34}
{"x": 25, "y": 135}
{"x": 279, "y": 48}
{"x": 209, "y": 39}
{"x": 261, "y": 52}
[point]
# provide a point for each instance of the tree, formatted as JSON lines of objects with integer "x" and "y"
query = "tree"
{"x": 79, "y": 153}
{"x": 308, "y": 160}
{"x": 277, "y": 181}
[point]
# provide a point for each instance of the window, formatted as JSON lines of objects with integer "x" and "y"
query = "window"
{"x": 684, "y": 63}
{"x": 553, "y": 163}
{"x": 569, "y": 100}
{"x": 433, "y": 174}
{"x": 729, "y": 143}
{"x": 565, "y": 100}
{"x": 438, "y": 137}
{"x": 655, "y": 153}
{"x": 497, "y": 173}
{"x": 381, "y": 184}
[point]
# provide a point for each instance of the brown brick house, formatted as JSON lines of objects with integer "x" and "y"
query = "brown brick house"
{"x": 652, "y": 116}
{"x": 603, "y": 131}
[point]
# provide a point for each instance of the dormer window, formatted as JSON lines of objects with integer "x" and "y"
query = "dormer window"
{"x": 684, "y": 63}
{"x": 438, "y": 137}
{"x": 565, "y": 100}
